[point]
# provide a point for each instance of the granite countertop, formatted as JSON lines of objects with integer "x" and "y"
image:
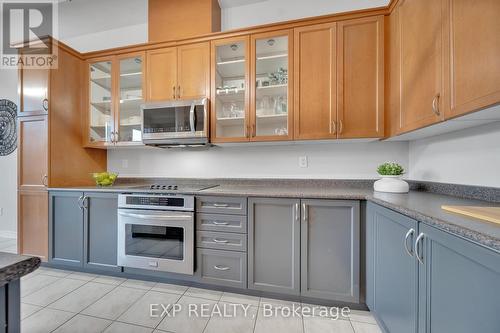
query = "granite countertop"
{"x": 422, "y": 206}
{"x": 13, "y": 266}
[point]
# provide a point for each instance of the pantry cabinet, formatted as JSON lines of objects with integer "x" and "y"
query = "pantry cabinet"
{"x": 252, "y": 91}
{"x": 33, "y": 91}
{"x": 178, "y": 72}
{"x": 115, "y": 87}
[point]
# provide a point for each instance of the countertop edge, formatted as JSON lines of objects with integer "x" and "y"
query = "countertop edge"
{"x": 18, "y": 269}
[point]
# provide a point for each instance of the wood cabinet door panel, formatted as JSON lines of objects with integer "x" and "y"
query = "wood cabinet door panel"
{"x": 360, "y": 83}
{"x": 33, "y": 223}
{"x": 193, "y": 70}
{"x": 32, "y": 160}
{"x": 161, "y": 74}
{"x": 34, "y": 91}
{"x": 315, "y": 84}
{"x": 420, "y": 24}
{"x": 474, "y": 56}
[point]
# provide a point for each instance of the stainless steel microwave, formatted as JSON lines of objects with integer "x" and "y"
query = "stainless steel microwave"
{"x": 175, "y": 123}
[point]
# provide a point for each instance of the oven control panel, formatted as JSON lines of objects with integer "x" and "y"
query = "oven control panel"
{"x": 158, "y": 202}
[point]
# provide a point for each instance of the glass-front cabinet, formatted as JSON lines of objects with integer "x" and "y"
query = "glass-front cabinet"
{"x": 251, "y": 92}
{"x": 271, "y": 99}
{"x": 115, "y": 95}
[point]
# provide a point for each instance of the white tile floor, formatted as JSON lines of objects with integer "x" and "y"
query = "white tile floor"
{"x": 62, "y": 301}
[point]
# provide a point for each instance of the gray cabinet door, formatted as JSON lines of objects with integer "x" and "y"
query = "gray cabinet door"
{"x": 459, "y": 285}
{"x": 274, "y": 245}
{"x": 330, "y": 249}
{"x": 65, "y": 229}
{"x": 391, "y": 271}
{"x": 100, "y": 231}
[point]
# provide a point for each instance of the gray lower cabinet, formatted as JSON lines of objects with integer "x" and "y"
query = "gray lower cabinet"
{"x": 391, "y": 268}
{"x": 274, "y": 245}
{"x": 100, "y": 230}
{"x": 429, "y": 281}
{"x": 83, "y": 229}
{"x": 459, "y": 284}
{"x": 66, "y": 228}
{"x": 226, "y": 268}
{"x": 329, "y": 246}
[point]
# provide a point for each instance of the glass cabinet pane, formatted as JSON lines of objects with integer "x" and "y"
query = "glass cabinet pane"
{"x": 230, "y": 90}
{"x": 100, "y": 118}
{"x": 271, "y": 86}
{"x": 129, "y": 106}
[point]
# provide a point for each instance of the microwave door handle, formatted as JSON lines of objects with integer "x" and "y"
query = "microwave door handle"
{"x": 191, "y": 118}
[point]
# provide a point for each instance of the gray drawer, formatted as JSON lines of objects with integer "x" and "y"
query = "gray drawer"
{"x": 221, "y": 205}
{"x": 227, "y": 268}
{"x": 221, "y": 240}
{"x": 224, "y": 223}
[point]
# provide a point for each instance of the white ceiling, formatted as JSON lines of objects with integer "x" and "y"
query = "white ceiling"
{"x": 237, "y": 3}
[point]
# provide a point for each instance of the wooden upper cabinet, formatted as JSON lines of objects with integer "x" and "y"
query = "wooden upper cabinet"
{"x": 34, "y": 91}
{"x": 474, "y": 57}
{"x": 360, "y": 85}
{"x": 161, "y": 74}
{"x": 315, "y": 82}
{"x": 392, "y": 78}
{"x": 33, "y": 153}
{"x": 193, "y": 70}
{"x": 178, "y": 72}
{"x": 421, "y": 54}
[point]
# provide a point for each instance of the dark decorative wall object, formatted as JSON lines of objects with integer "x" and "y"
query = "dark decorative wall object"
{"x": 8, "y": 130}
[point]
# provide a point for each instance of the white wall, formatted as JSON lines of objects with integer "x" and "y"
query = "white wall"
{"x": 326, "y": 160}
{"x": 470, "y": 157}
{"x": 8, "y": 164}
{"x": 271, "y": 11}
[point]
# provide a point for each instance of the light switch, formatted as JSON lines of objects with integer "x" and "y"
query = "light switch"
{"x": 303, "y": 161}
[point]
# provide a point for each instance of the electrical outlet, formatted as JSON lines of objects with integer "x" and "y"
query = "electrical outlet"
{"x": 303, "y": 161}
{"x": 125, "y": 164}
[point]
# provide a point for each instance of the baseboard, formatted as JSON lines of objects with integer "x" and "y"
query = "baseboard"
{"x": 8, "y": 234}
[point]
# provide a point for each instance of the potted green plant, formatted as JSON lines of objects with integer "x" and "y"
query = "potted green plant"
{"x": 391, "y": 181}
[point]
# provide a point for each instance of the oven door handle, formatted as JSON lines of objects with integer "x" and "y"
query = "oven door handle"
{"x": 157, "y": 217}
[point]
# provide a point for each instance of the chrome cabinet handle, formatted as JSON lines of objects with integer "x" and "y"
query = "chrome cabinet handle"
{"x": 334, "y": 127}
{"x": 305, "y": 215}
{"x": 219, "y": 223}
{"x": 341, "y": 126}
{"x": 221, "y": 268}
{"x": 220, "y": 205}
{"x": 44, "y": 180}
{"x": 405, "y": 242}
{"x": 435, "y": 105}
{"x": 45, "y": 104}
{"x": 80, "y": 202}
{"x": 220, "y": 241}
{"x": 85, "y": 203}
{"x": 178, "y": 91}
{"x": 173, "y": 92}
{"x": 420, "y": 257}
{"x": 297, "y": 214}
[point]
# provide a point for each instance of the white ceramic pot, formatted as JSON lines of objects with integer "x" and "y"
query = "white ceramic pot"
{"x": 391, "y": 184}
